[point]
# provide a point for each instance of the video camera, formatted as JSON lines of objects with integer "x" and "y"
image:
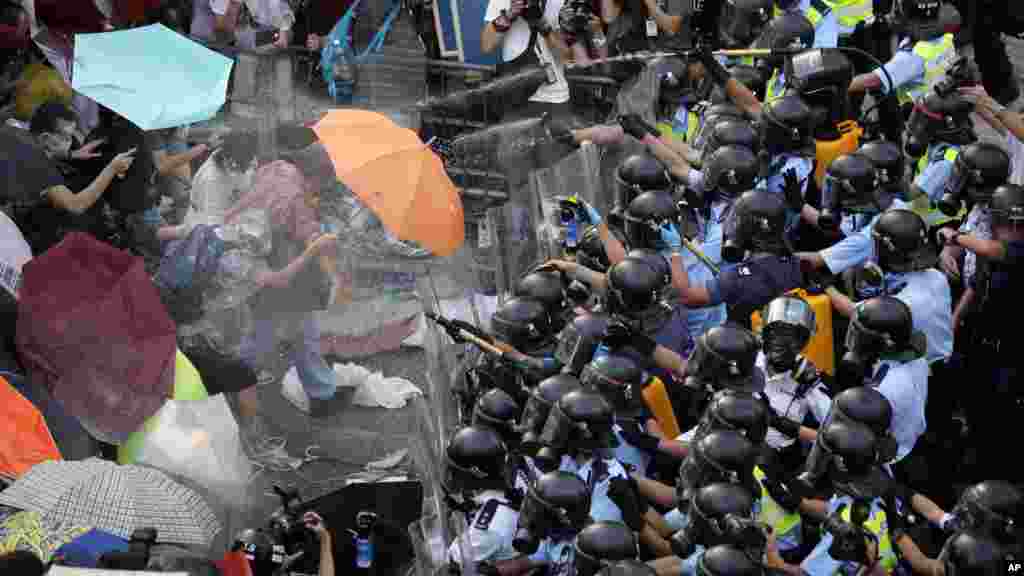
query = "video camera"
{"x": 958, "y": 75}
{"x": 849, "y": 538}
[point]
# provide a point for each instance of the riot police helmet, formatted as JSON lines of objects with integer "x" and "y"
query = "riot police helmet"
{"x": 938, "y": 119}
{"x": 604, "y": 543}
{"x": 993, "y": 507}
{"x": 730, "y": 171}
{"x": 1007, "y": 206}
{"x": 869, "y": 407}
{"x": 590, "y": 251}
{"x": 548, "y": 287}
{"x": 742, "y": 21}
{"x": 556, "y": 501}
{"x": 628, "y": 568}
{"x": 475, "y": 459}
{"x": 618, "y": 379}
{"x": 645, "y": 216}
{"x": 851, "y": 186}
{"x": 725, "y": 357}
{"x": 720, "y": 456}
{"x": 978, "y": 170}
{"x": 655, "y": 258}
{"x": 727, "y": 560}
{"x": 757, "y": 223}
{"x": 733, "y": 133}
{"x": 633, "y": 287}
{"x": 524, "y": 324}
{"x": 642, "y": 172}
{"x": 744, "y": 413}
{"x": 973, "y": 554}
{"x": 578, "y": 341}
{"x": 789, "y": 324}
{"x": 788, "y": 30}
{"x": 593, "y": 419}
{"x": 787, "y": 125}
{"x": 547, "y": 393}
{"x": 881, "y": 324}
{"x": 901, "y": 242}
{"x": 497, "y": 410}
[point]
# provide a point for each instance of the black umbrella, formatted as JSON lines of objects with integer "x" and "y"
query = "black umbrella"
{"x": 25, "y": 170}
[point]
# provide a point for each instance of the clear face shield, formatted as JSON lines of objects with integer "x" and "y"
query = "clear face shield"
{"x": 789, "y": 325}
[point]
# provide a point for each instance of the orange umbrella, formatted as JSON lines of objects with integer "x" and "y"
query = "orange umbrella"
{"x": 25, "y": 439}
{"x": 397, "y": 176}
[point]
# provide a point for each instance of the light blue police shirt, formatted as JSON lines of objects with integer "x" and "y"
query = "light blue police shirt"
{"x": 827, "y": 31}
{"x": 602, "y": 509}
{"x": 932, "y": 180}
{"x": 818, "y": 562}
{"x": 630, "y": 455}
{"x": 690, "y": 563}
{"x": 559, "y": 555}
{"x": 905, "y": 67}
{"x": 708, "y": 241}
{"x": 927, "y": 294}
{"x": 979, "y": 225}
{"x": 905, "y": 386}
{"x": 856, "y": 248}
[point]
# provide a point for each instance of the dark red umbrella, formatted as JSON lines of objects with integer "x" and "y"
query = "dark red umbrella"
{"x": 92, "y": 329}
{"x": 70, "y": 17}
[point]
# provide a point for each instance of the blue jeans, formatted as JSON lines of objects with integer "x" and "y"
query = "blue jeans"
{"x": 316, "y": 376}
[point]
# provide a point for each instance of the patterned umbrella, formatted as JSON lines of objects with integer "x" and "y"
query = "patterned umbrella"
{"x": 116, "y": 499}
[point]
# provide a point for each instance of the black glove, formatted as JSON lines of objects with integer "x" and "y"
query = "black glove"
{"x": 622, "y": 494}
{"x": 791, "y": 189}
{"x": 806, "y": 376}
{"x": 715, "y": 70}
{"x": 640, "y": 440}
{"x": 635, "y": 126}
{"x": 781, "y": 493}
{"x": 785, "y": 426}
{"x": 896, "y": 523}
{"x": 619, "y": 335}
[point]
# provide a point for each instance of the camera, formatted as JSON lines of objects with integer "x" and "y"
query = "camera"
{"x": 849, "y": 537}
{"x": 958, "y": 75}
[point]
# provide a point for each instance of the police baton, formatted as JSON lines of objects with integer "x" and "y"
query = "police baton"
{"x": 701, "y": 256}
{"x": 464, "y": 334}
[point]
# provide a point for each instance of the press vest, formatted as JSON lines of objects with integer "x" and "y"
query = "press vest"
{"x": 936, "y": 55}
{"x": 923, "y": 205}
{"x": 849, "y": 13}
{"x": 771, "y": 513}
{"x": 878, "y": 526}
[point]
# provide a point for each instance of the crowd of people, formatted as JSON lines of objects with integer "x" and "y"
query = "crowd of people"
{"x": 657, "y": 407}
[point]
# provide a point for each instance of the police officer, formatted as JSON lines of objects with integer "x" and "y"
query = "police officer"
{"x": 553, "y": 513}
{"x": 547, "y": 393}
{"x": 855, "y": 511}
{"x": 883, "y": 352}
{"x": 579, "y": 340}
{"x": 741, "y": 23}
{"x": 819, "y": 13}
{"x": 548, "y": 288}
{"x": 994, "y": 508}
{"x": 754, "y": 239}
{"x": 921, "y": 57}
{"x": 867, "y": 406}
{"x": 524, "y": 329}
{"x": 620, "y": 381}
{"x": 995, "y": 314}
{"x": 497, "y": 410}
{"x": 636, "y": 174}
{"x": 590, "y": 251}
{"x": 475, "y": 459}
{"x": 604, "y": 543}
{"x": 790, "y": 29}
{"x": 728, "y": 560}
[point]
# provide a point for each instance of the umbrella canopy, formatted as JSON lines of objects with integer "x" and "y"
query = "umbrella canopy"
{"x": 25, "y": 439}
{"x": 151, "y": 75}
{"x": 397, "y": 176}
{"x": 25, "y": 170}
{"x": 113, "y": 498}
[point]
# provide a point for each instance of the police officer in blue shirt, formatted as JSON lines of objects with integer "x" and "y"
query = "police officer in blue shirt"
{"x": 539, "y": 406}
{"x": 791, "y": 29}
{"x": 620, "y": 381}
{"x": 475, "y": 459}
{"x": 604, "y": 543}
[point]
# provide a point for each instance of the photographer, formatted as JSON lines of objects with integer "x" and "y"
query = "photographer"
{"x": 604, "y": 28}
{"x": 1008, "y": 123}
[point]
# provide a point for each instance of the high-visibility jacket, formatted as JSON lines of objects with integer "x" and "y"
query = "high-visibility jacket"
{"x": 781, "y": 520}
{"x": 936, "y": 54}
{"x": 849, "y": 13}
{"x": 877, "y": 525}
{"x": 815, "y": 12}
{"x": 923, "y": 206}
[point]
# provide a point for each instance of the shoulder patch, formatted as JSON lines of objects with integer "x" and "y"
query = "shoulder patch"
{"x": 486, "y": 515}
{"x": 743, "y": 271}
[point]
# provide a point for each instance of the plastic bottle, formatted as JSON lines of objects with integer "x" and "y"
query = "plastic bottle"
{"x": 364, "y": 545}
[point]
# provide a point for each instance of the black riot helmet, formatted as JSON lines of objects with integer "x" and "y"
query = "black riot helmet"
{"x": 498, "y": 411}
{"x": 475, "y": 459}
{"x": 633, "y": 286}
{"x": 556, "y": 502}
{"x": 719, "y": 112}
{"x": 547, "y": 287}
{"x": 1007, "y": 206}
{"x": 851, "y": 186}
{"x": 920, "y": 18}
{"x": 724, "y": 358}
{"x": 935, "y": 119}
{"x": 901, "y": 241}
{"x": 590, "y": 251}
{"x": 645, "y": 216}
{"x": 729, "y": 172}
{"x": 604, "y": 543}
{"x": 978, "y": 170}
{"x": 548, "y": 392}
{"x": 627, "y": 568}
{"x": 656, "y": 259}
{"x": 738, "y": 411}
{"x": 789, "y": 324}
{"x": 578, "y": 341}
{"x": 756, "y": 224}
{"x": 741, "y": 21}
{"x": 881, "y": 325}
{"x": 787, "y": 125}
{"x": 890, "y": 164}
{"x": 867, "y": 406}
{"x": 618, "y": 379}
{"x": 993, "y": 507}
{"x": 787, "y": 30}
{"x": 846, "y": 454}
{"x": 258, "y": 548}
{"x": 973, "y": 554}
{"x": 640, "y": 173}
{"x": 524, "y": 324}
{"x": 721, "y": 456}
{"x": 733, "y": 133}
{"x": 712, "y": 509}
{"x": 727, "y": 560}
{"x": 750, "y": 77}
{"x": 581, "y": 420}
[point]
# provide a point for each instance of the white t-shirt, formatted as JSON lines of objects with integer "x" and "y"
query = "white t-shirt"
{"x": 1016, "y": 150}
{"x": 517, "y": 39}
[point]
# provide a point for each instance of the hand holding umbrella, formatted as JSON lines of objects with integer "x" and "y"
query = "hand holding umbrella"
{"x": 122, "y": 162}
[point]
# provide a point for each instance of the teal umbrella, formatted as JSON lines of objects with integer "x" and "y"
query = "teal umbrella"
{"x": 153, "y": 76}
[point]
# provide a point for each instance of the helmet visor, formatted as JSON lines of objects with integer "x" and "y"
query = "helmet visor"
{"x": 795, "y": 312}
{"x": 864, "y": 341}
{"x": 617, "y": 392}
{"x": 841, "y": 193}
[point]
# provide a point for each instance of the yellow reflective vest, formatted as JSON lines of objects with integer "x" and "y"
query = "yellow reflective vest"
{"x": 936, "y": 54}
{"x": 849, "y": 13}
{"x": 877, "y": 525}
{"x": 815, "y": 12}
{"x": 922, "y": 205}
{"x": 776, "y": 88}
{"x": 781, "y": 520}
{"x": 692, "y": 126}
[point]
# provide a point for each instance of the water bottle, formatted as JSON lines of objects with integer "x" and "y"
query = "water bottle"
{"x": 364, "y": 545}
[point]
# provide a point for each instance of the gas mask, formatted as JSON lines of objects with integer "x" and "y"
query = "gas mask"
{"x": 643, "y": 233}
{"x": 919, "y": 130}
{"x": 789, "y": 325}
{"x": 826, "y": 470}
{"x": 863, "y": 349}
{"x": 731, "y": 529}
{"x": 708, "y": 371}
{"x": 538, "y": 519}
{"x": 737, "y": 231}
{"x": 971, "y": 552}
{"x": 698, "y": 471}
{"x": 960, "y": 186}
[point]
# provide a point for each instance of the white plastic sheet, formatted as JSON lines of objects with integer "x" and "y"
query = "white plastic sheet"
{"x": 199, "y": 440}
